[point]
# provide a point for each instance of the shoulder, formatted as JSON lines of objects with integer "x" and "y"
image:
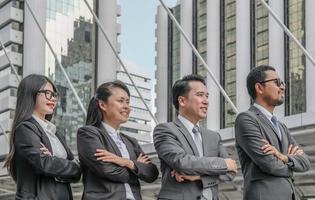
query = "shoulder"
{"x": 213, "y": 134}
{"x": 247, "y": 115}
{"x": 89, "y": 130}
{"x": 165, "y": 126}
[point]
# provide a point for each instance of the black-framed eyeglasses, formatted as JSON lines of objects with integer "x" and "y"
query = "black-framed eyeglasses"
{"x": 49, "y": 94}
{"x": 277, "y": 81}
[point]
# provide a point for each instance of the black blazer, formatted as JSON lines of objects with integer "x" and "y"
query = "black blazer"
{"x": 103, "y": 180}
{"x": 37, "y": 173}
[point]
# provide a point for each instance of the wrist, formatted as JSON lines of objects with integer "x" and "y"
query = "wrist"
{"x": 285, "y": 158}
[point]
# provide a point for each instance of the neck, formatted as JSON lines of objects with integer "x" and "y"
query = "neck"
{"x": 265, "y": 105}
{"x": 39, "y": 115}
{"x": 192, "y": 119}
{"x": 112, "y": 124}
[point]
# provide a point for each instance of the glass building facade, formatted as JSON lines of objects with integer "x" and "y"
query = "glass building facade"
{"x": 74, "y": 45}
{"x": 174, "y": 59}
{"x": 294, "y": 58}
{"x": 259, "y": 34}
{"x": 228, "y": 60}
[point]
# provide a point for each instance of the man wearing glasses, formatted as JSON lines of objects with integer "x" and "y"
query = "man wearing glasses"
{"x": 268, "y": 153}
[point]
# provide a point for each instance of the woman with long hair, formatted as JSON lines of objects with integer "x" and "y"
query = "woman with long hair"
{"x": 112, "y": 162}
{"x": 39, "y": 160}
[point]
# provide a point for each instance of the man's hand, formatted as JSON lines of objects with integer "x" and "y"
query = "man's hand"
{"x": 181, "y": 177}
{"x": 271, "y": 150}
{"x": 231, "y": 164}
{"x": 106, "y": 156}
{"x": 292, "y": 151}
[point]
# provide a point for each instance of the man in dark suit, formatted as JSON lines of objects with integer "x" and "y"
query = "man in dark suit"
{"x": 268, "y": 153}
{"x": 193, "y": 159}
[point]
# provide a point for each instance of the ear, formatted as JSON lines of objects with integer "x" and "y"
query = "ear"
{"x": 181, "y": 101}
{"x": 258, "y": 88}
{"x": 102, "y": 105}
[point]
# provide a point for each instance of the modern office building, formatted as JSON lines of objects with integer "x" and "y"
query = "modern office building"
{"x": 139, "y": 123}
{"x": 84, "y": 54}
{"x": 234, "y": 36}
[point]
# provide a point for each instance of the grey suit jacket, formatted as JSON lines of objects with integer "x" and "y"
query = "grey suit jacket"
{"x": 265, "y": 177}
{"x": 106, "y": 180}
{"x": 176, "y": 150}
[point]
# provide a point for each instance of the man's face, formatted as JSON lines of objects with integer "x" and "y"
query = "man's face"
{"x": 195, "y": 103}
{"x": 271, "y": 92}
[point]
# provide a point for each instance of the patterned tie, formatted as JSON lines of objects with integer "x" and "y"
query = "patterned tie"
{"x": 275, "y": 123}
{"x": 206, "y": 192}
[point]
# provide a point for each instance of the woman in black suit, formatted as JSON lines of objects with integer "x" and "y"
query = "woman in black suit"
{"x": 39, "y": 160}
{"x": 112, "y": 163}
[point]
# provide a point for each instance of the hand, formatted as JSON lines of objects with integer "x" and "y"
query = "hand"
{"x": 106, "y": 156}
{"x": 44, "y": 150}
{"x": 144, "y": 159}
{"x": 292, "y": 151}
{"x": 231, "y": 164}
{"x": 271, "y": 150}
{"x": 181, "y": 177}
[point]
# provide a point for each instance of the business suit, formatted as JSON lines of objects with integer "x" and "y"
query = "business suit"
{"x": 265, "y": 177}
{"x": 104, "y": 180}
{"x": 177, "y": 151}
{"x": 37, "y": 173}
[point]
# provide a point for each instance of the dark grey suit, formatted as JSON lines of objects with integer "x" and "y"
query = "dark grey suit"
{"x": 104, "y": 180}
{"x": 177, "y": 150}
{"x": 265, "y": 177}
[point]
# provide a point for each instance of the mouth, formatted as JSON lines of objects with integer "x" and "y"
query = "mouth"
{"x": 204, "y": 109}
{"x": 126, "y": 114}
{"x": 51, "y": 105}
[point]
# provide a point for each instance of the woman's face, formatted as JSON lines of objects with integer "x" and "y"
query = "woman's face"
{"x": 116, "y": 110}
{"x": 46, "y": 101}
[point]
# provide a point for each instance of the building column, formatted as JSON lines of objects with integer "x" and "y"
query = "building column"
{"x": 310, "y": 46}
{"x": 34, "y": 43}
{"x": 242, "y": 53}
{"x": 185, "y": 49}
{"x": 107, "y": 64}
{"x": 161, "y": 34}
{"x": 213, "y": 61}
{"x": 276, "y": 45}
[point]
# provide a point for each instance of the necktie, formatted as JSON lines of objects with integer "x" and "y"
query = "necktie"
{"x": 197, "y": 139}
{"x": 206, "y": 192}
{"x": 275, "y": 123}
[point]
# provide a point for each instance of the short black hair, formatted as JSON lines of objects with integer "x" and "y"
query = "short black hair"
{"x": 256, "y": 75}
{"x": 181, "y": 87}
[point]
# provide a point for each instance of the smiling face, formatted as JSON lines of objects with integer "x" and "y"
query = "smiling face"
{"x": 44, "y": 106}
{"x": 194, "y": 105}
{"x": 117, "y": 109}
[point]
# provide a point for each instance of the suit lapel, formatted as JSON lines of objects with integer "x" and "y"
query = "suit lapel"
{"x": 43, "y": 135}
{"x": 187, "y": 136}
{"x": 271, "y": 137}
{"x": 107, "y": 137}
{"x": 132, "y": 154}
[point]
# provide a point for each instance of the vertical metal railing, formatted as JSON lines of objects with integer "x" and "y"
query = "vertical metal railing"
{"x": 119, "y": 59}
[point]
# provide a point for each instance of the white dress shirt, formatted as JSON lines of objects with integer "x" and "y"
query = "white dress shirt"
{"x": 124, "y": 153}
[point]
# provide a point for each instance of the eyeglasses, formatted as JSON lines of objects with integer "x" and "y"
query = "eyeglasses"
{"x": 277, "y": 81}
{"x": 49, "y": 94}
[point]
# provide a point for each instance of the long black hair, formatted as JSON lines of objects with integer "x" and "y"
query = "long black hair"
{"x": 25, "y": 105}
{"x": 103, "y": 92}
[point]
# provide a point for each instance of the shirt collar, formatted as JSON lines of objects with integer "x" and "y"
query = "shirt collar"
{"x": 188, "y": 124}
{"x": 45, "y": 124}
{"x": 264, "y": 111}
{"x": 109, "y": 129}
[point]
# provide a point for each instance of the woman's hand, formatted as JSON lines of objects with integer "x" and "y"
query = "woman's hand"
{"x": 106, "y": 156}
{"x": 144, "y": 159}
{"x": 44, "y": 150}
